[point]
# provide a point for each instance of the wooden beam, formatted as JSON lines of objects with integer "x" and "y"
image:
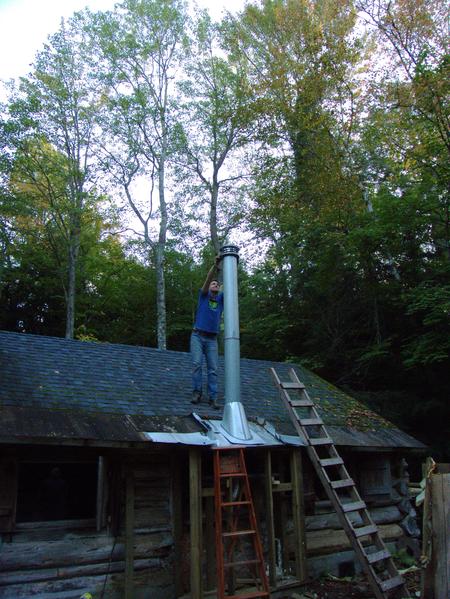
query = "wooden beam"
{"x": 281, "y": 487}
{"x": 195, "y": 507}
{"x": 129, "y": 534}
{"x": 177, "y": 522}
{"x": 298, "y": 511}
{"x": 270, "y": 522}
{"x": 211, "y": 578}
{"x": 426, "y": 579}
{"x": 440, "y": 493}
{"x": 100, "y": 512}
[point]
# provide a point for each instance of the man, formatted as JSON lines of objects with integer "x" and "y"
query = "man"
{"x": 204, "y": 336}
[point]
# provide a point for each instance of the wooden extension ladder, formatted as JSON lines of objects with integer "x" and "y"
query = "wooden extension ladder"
{"x": 375, "y": 558}
{"x": 238, "y": 546}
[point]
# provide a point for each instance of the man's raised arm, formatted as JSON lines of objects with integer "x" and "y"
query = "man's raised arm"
{"x": 212, "y": 273}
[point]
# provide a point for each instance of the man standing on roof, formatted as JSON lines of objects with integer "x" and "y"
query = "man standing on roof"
{"x": 204, "y": 336}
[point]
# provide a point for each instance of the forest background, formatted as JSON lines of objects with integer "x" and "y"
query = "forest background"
{"x": 314, "y": 134}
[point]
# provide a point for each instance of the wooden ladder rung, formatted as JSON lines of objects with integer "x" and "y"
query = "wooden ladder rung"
{"x": 311, "y": 421}
{"x": 248, "y": 562}
{"x": 232, "y": 503}
{"x": 301, "y": 403}
{"x": 331, "y": 462}
{"x": 239, "y": 533}
{"x": 320, "y": 441}
{"x": 292, "y": 386}
{"x": 354, "y": 506}
{"x": 340, "y": 484}
{"x": 230, "y": 474}
{"x": 371, "y": 529}
{"x": 377, "y": 556}
{"x": 391, "y": 583}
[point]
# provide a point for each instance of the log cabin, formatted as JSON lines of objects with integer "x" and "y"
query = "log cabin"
{"x": 106, "y": 480}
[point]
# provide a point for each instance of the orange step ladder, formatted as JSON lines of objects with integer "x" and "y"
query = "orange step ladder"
{"x": 238, "y": 545}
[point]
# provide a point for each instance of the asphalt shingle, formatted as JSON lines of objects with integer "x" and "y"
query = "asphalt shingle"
{"x": 86, "y": 377}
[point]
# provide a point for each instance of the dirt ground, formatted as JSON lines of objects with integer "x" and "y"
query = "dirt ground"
{"x": 356, "y": 588}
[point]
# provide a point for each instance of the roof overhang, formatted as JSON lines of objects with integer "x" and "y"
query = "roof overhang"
{"x": 27, "y": 425}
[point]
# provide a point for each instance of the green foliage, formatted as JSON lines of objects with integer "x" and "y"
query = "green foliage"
{"x": 330, "y": 150}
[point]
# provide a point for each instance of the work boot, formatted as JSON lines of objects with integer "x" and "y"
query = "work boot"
{"x": 213, "y": 403}
{"x": 196, "y": 397}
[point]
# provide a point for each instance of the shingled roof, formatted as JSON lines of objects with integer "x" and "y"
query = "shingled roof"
{"x": 59, "y": 388}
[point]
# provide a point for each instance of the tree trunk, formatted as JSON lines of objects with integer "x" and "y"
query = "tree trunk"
{"x": 160, "y": 297}
{"x": 74, "y": 247}
{"x": 213, "y": 215}
{"x": 160, "y": 251}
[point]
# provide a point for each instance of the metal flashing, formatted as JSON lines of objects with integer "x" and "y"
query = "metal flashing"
{"x": 180, "y": 438}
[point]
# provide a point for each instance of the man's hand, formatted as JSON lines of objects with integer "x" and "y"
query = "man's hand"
{"x": 218, "y": 260}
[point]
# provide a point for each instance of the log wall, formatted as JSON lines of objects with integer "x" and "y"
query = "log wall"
{"x": 328, "y": 548}
{"x": 54, "y": 562}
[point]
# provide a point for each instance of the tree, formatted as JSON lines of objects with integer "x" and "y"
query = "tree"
{"x": 301, "y": 57}
{"x": 216, "y": 131}
{"x": 140, "y": 45}
{"x": 409, "y": 101}
{"x": 39, "y": 215}
{"x": 55, "y": 105}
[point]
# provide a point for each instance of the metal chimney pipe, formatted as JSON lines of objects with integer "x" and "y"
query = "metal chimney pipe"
{"x": 234, "y": 420}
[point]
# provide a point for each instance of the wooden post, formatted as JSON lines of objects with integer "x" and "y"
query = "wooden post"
{"x": 211, "y": 579}
{"x": 426, "y": 583}
{"x": 440, "y": 494}
{"x": 177, "y": 523}
{"x": 195, "y": 505}
{"x": 281, "y": 509}
{"x": 99, "y": 513}
{"x": 270, "y": 523}
{"x": 129, "y": 534}
{"x": 298, "y": 511}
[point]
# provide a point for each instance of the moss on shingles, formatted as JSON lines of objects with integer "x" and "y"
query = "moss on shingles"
{"x": 337, "y": 408}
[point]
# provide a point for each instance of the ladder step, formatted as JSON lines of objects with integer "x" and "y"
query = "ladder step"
{"x": 331, "y": 462}
{"x": 365, "y": 530}
{"x": 311, "y": 421}
{"x": 230, "y": 474}
{"x": 354, "y": 506}
{"x": 377, "y": 556}
{"x": 232, "y": 503}
{"x": 391, "y": 583}
{"x": 292, "y": 386}
{"x": 340, "y": 484}
{"x": 301, "y": 403}
{"x": 249, "y": 562}
{"x": 321, "y": 441}
{"x": 239, "y": 533}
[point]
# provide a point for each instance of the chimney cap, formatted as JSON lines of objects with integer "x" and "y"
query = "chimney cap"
{"x": 229, "y": 250}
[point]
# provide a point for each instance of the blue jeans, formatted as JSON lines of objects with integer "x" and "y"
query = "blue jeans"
{"x": 204, "y": 346}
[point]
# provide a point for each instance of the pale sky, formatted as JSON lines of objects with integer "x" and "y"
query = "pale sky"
{"x": 26, "y": 24}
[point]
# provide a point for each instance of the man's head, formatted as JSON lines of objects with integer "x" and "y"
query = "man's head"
{"x": 214, "y": 287}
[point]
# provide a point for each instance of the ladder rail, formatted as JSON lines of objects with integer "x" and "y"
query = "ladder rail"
{"x": 322, "y": 440}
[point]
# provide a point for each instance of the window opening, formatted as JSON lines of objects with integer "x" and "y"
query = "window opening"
{"x": 56, "y": 491}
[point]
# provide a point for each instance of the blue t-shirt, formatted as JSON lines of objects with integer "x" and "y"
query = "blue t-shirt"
{"x": 209, "y": 311}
